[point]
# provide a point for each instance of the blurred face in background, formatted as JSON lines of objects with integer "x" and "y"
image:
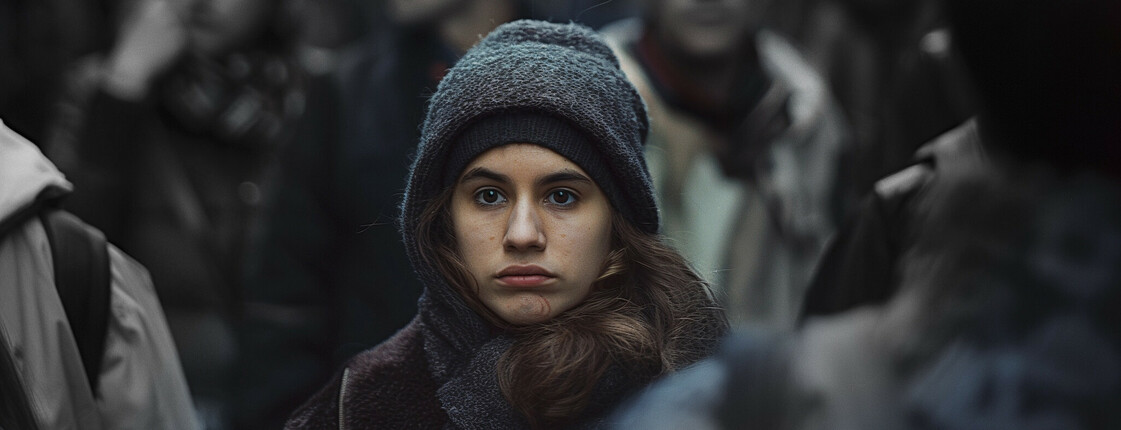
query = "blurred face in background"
{"x": 533, "y": 229}
{"x": 218, "y": 26}
{"x": 413, "y": 12}
{"x": 704, "y": 29}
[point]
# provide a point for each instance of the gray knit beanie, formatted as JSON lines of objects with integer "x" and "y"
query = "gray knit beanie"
{"x": 554, "y": 85}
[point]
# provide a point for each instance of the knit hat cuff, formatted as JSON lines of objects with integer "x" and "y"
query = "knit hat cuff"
{"x": 526, "y": 127}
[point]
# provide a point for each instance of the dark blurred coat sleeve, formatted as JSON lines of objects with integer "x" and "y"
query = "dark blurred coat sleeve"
{"x": 860, "y": 266}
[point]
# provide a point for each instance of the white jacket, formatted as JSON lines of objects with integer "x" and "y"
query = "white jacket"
{"x": 141, "y": 382}
{"x": 757, "y": 243}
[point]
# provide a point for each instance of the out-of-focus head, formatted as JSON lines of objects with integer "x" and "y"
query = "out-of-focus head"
{"x": 415, "y": 12}
{"x": 218, "y": 26}
{"x": 704, "y": 29}
{"x": 1047, "y": 74}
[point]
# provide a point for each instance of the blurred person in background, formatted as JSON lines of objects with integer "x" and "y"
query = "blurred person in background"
{"x": 1005, "y": 313}
{"x": 83, "y": 339}
{"x": 861, "y": 264}
{"x": 329, "y": 276}
{"x": 592, "y": 13}
{"x": 747, "y": 149}
{"x": 892, "y": 68}
{"x": 179, "y": 125}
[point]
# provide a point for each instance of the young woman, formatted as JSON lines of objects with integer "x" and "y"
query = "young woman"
{"x": 530, "y": 218}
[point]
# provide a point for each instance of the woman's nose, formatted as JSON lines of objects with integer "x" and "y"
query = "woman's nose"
{"x": 524, "y": 231}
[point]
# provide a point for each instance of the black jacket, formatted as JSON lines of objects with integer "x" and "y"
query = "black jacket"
{"x": 1004, "y": 318}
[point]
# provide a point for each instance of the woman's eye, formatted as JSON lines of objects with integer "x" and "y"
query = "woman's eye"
{"x": 561, "y": 198}
{"x": 489, "y": 197}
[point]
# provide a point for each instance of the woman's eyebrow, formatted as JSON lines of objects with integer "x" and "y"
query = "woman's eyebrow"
{"x": 564, "y": 175}
{"x": 484, "y": 173}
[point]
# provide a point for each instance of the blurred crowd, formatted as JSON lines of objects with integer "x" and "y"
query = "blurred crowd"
{"x": 806, "y": 154}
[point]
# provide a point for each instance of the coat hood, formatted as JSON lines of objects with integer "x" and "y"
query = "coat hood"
{"x": 26, "y": 176}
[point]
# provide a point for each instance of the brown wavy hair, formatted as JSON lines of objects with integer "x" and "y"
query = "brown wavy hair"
{"x": 648, "y": 313}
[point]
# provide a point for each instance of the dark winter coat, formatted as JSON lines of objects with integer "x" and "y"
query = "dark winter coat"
{"x": 861, "y": 265}
{"x": 435, "y": 373}
{"x": 386, "y": 387}
{"x": 1005, "y": 318}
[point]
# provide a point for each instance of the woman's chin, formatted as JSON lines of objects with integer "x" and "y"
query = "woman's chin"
{"x": 527, "y": 309}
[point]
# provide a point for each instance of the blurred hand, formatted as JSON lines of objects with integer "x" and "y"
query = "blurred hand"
{"x": 149, "y": 41}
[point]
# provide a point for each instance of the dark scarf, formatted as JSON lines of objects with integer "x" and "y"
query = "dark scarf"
{"x": 463, "y": 351}
{"x": 679, "y": 90}
{"x": 752, "y": 114}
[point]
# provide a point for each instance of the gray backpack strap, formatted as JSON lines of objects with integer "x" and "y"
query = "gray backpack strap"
{"x": 82, "y": 279}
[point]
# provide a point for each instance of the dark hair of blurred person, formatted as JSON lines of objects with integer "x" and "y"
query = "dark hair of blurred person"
{"x": 1005, "y": 313}
{"x": 747, "y": 148}
{"x": 1042, "y": 101}
{"x": 170, "y": 139}
{"x": 1051, "y": 96}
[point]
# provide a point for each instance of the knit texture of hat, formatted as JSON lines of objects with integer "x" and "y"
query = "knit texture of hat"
{"x": 560, "y": 81}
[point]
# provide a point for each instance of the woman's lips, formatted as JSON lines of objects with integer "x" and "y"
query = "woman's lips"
{"x": 524, "y": 276}
{"x": 524, "y": 280}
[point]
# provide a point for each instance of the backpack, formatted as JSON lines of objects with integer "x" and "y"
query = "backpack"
{"x": 82, "y": 279}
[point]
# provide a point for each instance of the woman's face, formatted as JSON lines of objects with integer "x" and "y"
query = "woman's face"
{"x": 533, "y": 229}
